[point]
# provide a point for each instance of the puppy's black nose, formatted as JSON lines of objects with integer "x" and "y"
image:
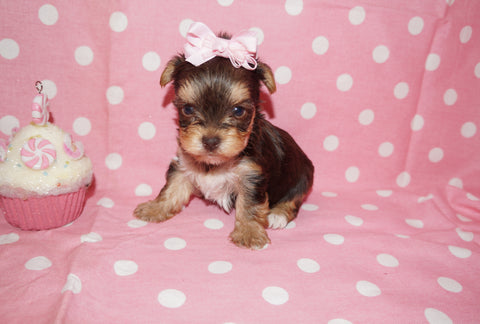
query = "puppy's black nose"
{"x": 210, "y": 143}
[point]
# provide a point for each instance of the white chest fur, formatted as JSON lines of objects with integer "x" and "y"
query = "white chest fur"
{"x": 219, "y": 186}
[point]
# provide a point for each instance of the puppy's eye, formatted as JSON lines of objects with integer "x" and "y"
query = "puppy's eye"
{"x": 238, "y": 111}
{"x": 188, "y": 110}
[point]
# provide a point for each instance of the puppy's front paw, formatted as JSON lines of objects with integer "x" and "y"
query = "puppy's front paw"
{"x": 251, "y": 235}
{"x": 152, "y": 211}
{"x": 277, "y": 221}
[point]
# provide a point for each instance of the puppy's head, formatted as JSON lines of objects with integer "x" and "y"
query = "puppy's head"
{"x": 217, "y": 105}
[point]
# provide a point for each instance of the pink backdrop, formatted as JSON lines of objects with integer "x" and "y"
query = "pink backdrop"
{"x": 384, "y": 96}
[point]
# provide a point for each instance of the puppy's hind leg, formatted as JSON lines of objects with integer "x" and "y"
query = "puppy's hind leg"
{"x": 170, "y": 201}
{"x": 283, "y": 212}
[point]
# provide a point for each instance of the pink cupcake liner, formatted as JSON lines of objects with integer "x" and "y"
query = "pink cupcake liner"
{"x": 43, "y": 212}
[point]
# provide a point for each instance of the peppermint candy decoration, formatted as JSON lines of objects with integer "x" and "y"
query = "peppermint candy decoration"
{"x": 40, "y": 113}
{"x": 38, "y": 153}
{"x": 3, "y": 150}
{"x": 73, "y": 149}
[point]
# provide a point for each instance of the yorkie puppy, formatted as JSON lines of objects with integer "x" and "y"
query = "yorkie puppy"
{"x": 228, "y": 152}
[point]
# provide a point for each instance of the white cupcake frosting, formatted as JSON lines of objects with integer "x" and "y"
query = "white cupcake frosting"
{"x": 43, "y": 160}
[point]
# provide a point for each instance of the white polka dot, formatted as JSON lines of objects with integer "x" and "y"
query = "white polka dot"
{"x": 344, "y": 82}
{"x": 380, "y": 54}
{"x": 459, "y": 252}
{"x": 146, "y": 131}
{"x": 309, "y": 207}
{"x": 38, "y": 263}
{"x": 114, "y": 95}
{"x": 465, "y": 34}
{"x": 283, "y": 75}
{"x": 9, "y": 238}
{"x": 8, "y": 123}
{"x": 352, "y": 174}
{"x": 184, "y": 26}
{"x": 225, "y": 3}
{"x": 136, "y": 223}
{"x": 449, "y": 284}
{"x": 356, "y": 15}
{"x": 320, "y": 45}
{"x": 416, "y": 223}
{"x": 260, "y": 34}
{"x": 401, "y": 90}
{"x": 50, "y": 88}
{"x": 368, "y": 289}
{"x": 450, "y": 97}
{"x": 435, "y": 155}
{"x": 384, "y": 193}
{"x": 385, "y": 149}
{"x": 329, "y": 194}
{"x": 294, "y": 7}
{"x": 143, "y": 190}
{"x": 125, "y": 267}
{"x": 105, "y": 202}
{"x": 354, "y": 220}
{"x": 366, "y": 117}
{"x": 82, "y": 126}
{"x": 213, "y": 224}
{"x": 9, "y": 48}
{"x": 48, "y": 14}
{"x": 415, "y": 25}
{"x": 151, "y": 61}
{"x": 171, "y": 298}
{"x": 339, "y": 321}
{"x": 450, "y": 2}
{"x": 118, "y": 21}
{"x": 456, "y": 182}
{"x": 331, "y": 143}
{"x": 468, "y": 130}
{"x": 308, "y": 110}
{"x": 477, "y": 70}
{"x": 308, "y": 265}
{"x": 175, "y": 244}
{"x": 369, "y": 207}
{"x": 113, "y": 161}
{"x": 433, "y": 62}
{"x": 91, "y": 237}
{"x": 434, "y": 316}
{"x": 387, "y": 260}
{"x": 472, "y": 197}
{"x": 403, "y": 179}
{"x": 417, "y": 123}
{"x": 220, "y": 267}
{"x": 290, "y": 225}
{"x": 84, "y": 55}
{"x": 425, "y": 198}
{"x": 73, "y": 284}
{"x": 464, "y": 235}
{"x": 335, "y": 239}
{"x": 463, "y": 218}
{"x": 275, "y": 295}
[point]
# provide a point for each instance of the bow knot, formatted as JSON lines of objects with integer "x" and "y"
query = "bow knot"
{"x": 203, "y": 45}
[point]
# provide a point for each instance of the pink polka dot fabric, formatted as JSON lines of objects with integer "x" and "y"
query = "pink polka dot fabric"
{"x": 384, "y": 97}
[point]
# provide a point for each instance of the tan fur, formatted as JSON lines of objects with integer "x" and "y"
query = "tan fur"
{"x": 173, "y": 197}
{"x": 250, "y": 223}
{"x": 268, "y": 77}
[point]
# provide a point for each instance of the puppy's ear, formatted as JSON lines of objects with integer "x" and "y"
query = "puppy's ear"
{"x": 167, "y": 74}
{"x": 266, "y": 75}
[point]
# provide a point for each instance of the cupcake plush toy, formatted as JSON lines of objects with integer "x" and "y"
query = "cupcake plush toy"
{"x": 44, "y": 173}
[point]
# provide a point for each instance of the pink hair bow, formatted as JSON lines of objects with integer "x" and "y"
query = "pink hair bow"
{"x": 203, "y": 45}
